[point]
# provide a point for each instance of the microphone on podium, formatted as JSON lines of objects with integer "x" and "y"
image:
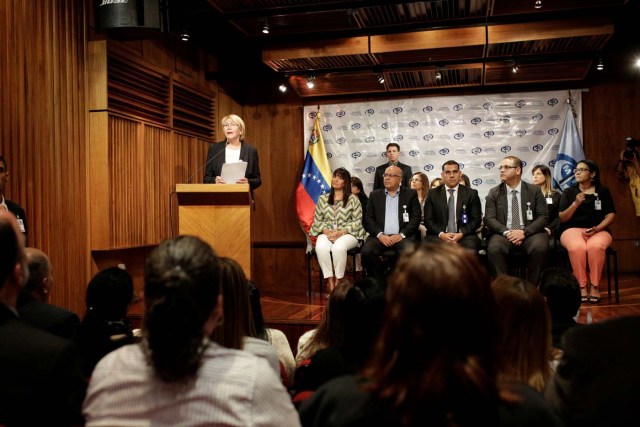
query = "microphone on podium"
{"x": 205, "y": 164}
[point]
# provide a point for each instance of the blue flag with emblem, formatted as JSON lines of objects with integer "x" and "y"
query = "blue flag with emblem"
{"x": 570, "y": 153}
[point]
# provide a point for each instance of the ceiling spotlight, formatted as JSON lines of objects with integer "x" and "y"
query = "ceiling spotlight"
{"x": 380, "y": 78}
{"x": 310, "y": 83}
{"x": 438, "y": 75}
{"x": 282, "y": 88}
{"x": 265, "y": 28}
{"x": 600, "y": 65}
{"x": 515, "y": 69}
{"x": 638, "y": 63}
{"x": 184, "y": 35}
{"x": 538, "y": 4}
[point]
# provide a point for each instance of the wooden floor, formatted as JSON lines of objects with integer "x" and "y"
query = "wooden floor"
{"x": 294, "y": 308}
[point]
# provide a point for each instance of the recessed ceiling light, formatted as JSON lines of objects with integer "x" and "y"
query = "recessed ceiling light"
{"x": 380, "y": 78}
{"x": 282, "y": 88}
{"x": 310, "y": 83}
{"x": 538, "y": 4}
{"x": 600, "y": 65}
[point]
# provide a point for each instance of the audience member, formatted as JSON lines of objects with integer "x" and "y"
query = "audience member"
{"x": 393, "y": 154}
{"x": 238, "y": 329}
{"x": 453, "y": 212}
{"x": 275, "y": 337}
{"x": 176, "y": 376}
{"x": 515, "y": 217}
{"x": 33, "y": 300}
{"x": 586, "y": 212}
{"x": 597, "y": 382}
{"x": 435, "y": 361}
{"x": 330, "y": 330}
{"x": 105, "y": 326}
{"x": 464, "y": 180}
{"x": 524, "y": 341}
{"x": 41, "y": 382}
{"x": 420, "y": 183}
{"x": 393, "y": 217}
{"x": 358, "y": 190}
{"x": 338, "y": 224}
{"x": 8, "y": 205}
{"x": 436, "y": 182}
{"x": 542, "y": 178}
{"x": 562, "y": 293}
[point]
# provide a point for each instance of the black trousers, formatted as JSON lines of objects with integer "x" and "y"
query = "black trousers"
{"x": 535, "y": 248}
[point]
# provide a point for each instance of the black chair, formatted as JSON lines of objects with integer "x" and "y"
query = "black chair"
{"x": 311, "y": 255}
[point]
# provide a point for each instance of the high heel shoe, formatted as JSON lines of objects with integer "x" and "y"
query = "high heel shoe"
{"x": 594, "y": 299}
{"x": 584, "y": 297}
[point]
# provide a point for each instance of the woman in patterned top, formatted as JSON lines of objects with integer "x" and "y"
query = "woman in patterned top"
{"x": 338, "y": 224}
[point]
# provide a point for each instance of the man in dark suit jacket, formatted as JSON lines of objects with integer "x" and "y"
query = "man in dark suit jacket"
{"x": 526, "y": 232}
{"x": 6, "y": 204}
{"x": 41, "y": 381}
{"x": 33, "y": 301}
{"x": 468, "y": 210}
{"x": 393, "y": 153}
{"x": 597, "y": 382}
{"x": 393, "y": 233}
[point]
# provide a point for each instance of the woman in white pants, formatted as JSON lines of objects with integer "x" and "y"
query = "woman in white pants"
{"x": 338, "y": 224}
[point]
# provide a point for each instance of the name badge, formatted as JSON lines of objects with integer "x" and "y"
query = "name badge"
{"x": 529, "y": 212}
{"x": 465, "y": 217}
{"x": 405, "y": 215}
{"x": 549, "y": 201}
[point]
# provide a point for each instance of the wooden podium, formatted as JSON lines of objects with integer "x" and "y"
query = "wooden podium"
{"x": 220, "y": 214}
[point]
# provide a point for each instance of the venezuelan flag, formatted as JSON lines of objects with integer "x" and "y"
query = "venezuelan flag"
{"x": 315, "y": 180}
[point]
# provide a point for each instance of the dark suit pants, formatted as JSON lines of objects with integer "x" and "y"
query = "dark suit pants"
{"x": 471, "y": 242}
{"x": 534, "y": 247}
{"x": 373, "y": 250}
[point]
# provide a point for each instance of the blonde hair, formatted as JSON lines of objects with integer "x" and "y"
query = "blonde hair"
{"x": 235, "y": 120}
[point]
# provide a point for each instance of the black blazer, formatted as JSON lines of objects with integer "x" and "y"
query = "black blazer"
{"x": 495, "y": 215}
{"x": 378, "y": 180}
{"x": 15, "y": 209}
{"x": 248, "y": 153}
{"x": 436, "y": 210}
{"x": 374, "y": 218}
{"x": 55, "y": 320}
{"x": 41, "y": 381}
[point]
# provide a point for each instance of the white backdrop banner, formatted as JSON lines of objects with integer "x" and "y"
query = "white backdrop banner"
{"x": 477, "y": 131}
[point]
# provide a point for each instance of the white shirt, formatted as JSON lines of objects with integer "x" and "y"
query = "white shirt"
{"x": 233, "y": 388}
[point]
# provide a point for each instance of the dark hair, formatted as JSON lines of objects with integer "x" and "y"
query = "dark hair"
{"x": 524, "y": 322}
{"x": 466, "y": 180}
{"x": 516, "y": 160}
{"x": 238, "y": 321}
{"x": 9, "y": 250}
{"x": 182, "y": 284}
{"x": 593, "y": 167}
{"x": 562, "y": 291}
{"x": 256, "y": 311}
{"x": 435, "y": 359}
{"x": 425, "y": 184}
{"x": 357, "y": 182}
{"x": 450, "y": 163}
{"x": 109, "y": 293}
{"x": 547, "y": 188}
{"x": 346, "y": 192}
{"x": 392, "y": 144}
{"x": 39, "y": 268}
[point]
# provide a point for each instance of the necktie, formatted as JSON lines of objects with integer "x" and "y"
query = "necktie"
{"x": 515, "y": 211}
{"x": 451, "y": 224}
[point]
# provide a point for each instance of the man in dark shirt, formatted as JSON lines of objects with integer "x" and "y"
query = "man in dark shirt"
{"x": 393, "y": 154}
{"x": 8, "y": 205}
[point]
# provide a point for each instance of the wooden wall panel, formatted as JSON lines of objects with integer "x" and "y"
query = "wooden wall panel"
{"x": 43, "y": 125}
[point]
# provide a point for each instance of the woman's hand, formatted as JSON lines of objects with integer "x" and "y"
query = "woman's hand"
{"x": 580, "y": 198}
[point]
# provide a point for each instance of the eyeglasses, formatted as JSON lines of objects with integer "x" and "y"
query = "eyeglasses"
{"x": 230, "y": 125}
{"x": 581, "y": 170}
{"x": 389, "y": 175}
{"x": 507, "y": 167}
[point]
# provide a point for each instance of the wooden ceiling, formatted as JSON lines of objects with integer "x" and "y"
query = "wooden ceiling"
{"x": 347, "y": 46}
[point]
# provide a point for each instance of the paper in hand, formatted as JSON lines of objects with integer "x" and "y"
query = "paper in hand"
{"x": 232, "y": 172}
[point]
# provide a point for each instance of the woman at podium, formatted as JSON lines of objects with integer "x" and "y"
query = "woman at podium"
{"x": 233, "y": 150}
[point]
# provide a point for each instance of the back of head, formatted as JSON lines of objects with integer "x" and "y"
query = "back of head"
{"x": 562, "y": 292}
{"x": 256, "y": 310}
{"x": 182, "y": 285}
{"x": 525, "y": 331}
{"x": 435, "y": 357}
{"x": 10, "y": 250}
{"x": 330, "y": 331}
{"x": 39, "y": 270}
{"x": 109, "y": 294}
{"x": 238, "y": 321}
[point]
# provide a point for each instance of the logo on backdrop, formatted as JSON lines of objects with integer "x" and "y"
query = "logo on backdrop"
{"x": 428, "y": 137}
{"x": 369, "y": 139}
{"x": 414, "y": 153}
{"x": 458, "y": 107}
{"x": 355, "y": 126}
{"x": 505, "y": 149}
{"x": 520, "y": 103}
{"x": 488, "y": 134}
{"x": 461, "y": 165}
{"x": 327, "y": 128}
{"x": 521, "y": 133}
{"x": 458, "y": 136}
{"x": 489, "y": 165}
{"x": 505, "y": 119}
{"x": 552, "y": 102}
{"x": 356, "y": 154}
{"x": 385, "y": 125}
{"x": 553, "y": 131}
{"x": 340, "y": 113}
{"x": 444, "y": 151}
{"x": 370, "y": 169}
{"x": 524, "y": 163}
{"x": 369, "y": 112}
{"x": 398, "y": 138}
{"x": 397, "y": 110}
{"x": 552, "y": 163}
{"x": 537, "y": 148}
{"x": 428, "y": 168}
{"x": 427, "y": 109}
{"x": 487, "y": 105}
{"x": 537, "y": 117}
{"x": 443, "y": 122}
{"x": 476, "y": 150}
{"x": 476, "y": 181}
{"x": 413, "y": 123}
{"x": 329, "y": 155}
{"x": 341, "y": 140}
{"x": 476, "y": 121}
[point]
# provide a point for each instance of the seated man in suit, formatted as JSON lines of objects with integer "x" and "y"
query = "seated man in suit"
{"x": 515, "y": 216}
{"x": 41, "y": 382}
{"x": 33, "y": 301}
{"x": 392, "y": 220}
{"x": 453, "y": 212}
{"x": 393, "y": 153}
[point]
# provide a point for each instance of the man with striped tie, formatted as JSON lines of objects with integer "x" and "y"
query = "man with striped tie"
{"x": 515, "y": 216}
